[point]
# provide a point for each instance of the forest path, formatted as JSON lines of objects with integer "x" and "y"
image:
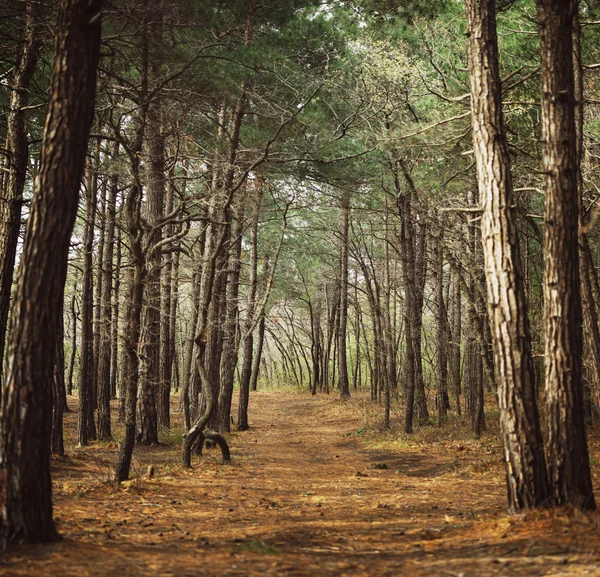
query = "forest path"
{"x": 305, "y": 494}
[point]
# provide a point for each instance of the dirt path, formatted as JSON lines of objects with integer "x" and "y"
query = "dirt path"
{"x": 304, "y": 495}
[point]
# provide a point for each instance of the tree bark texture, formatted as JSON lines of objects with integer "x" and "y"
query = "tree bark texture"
{"x": 519, "y": 419}
{"x": 150, "y": 339}
{"x": 17, "y": 155}
{"x": 106, "y": 310}
{"x": 26, "y": 411}
{"x": 86, "y": 425}
{"x": 342, "y": 358}
{"x": 568, "y": 459}
{"x": 247, "y": 333}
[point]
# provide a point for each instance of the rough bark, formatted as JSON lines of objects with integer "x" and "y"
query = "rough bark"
{"x": 26, "y": 410}
{"x": 106, "y": 309}
{"x": 440, "y": 327}
{"x": 74, "y": 316}
{"x": 230, "y": 350}
{"x": 86, "y": 425}
{"x": 100, "y": 235}
{"x": 132, "y": 328}
{"x": 154, "y": 211}
{"x": 165, "y": 358}
{"x": 412, "y": 245}
{"x": 59, "y": 400}
{"x": 454, "y": 360}
{"x": 260, "y": 340}
{"x": 130, "y": 361}
{"x": 316, "y": 347}
{"x": 150, "y": 357}
{"x": 343, "y": 301}
{"x": 519, "y": 420}
{"x": 248, "y": 337}
{"x": 590, "y": 315}
{"x": 114, "y": 346}
{"x": 568, "y": 459}
{"x": 17, "y": 156}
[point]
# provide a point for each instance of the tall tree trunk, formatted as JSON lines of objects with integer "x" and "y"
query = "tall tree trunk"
{"x": 216, "y": 318}
{"x": 165, "y": 358}
{"x": 230, "y": 350}
{"x": 260, "y": 339}
{"x": 132, "y": 329}
{"x": 150, "y": 358}
{"x": 188, "y": 368}
{"x": 86, "y": 426}
{"x": 26, "y": 409}
{"x": 248, "y": 338}
{"x": 100, "y": 230}
{"x": 417, "y": 313}
{"x": 440, "y": 327}
{"x": 17, "y": 156}
{"x": 114, "y": 346}
{"x": 454, "y": 360}
{"x": 173, "y": 325}
{"x": 476, "y": 342}
{"x": 72, "y": 356}
{"x": 568, "y": 459}
{"x": 343, "y": 302}
{"x": 106, "y": 309}
{"x": 133, "y": 317}
{"x": 316, "y": 344}
{"x": 519, "y": 420}
{"x": 590, "y": 315}
{"x": 58, "y": 392}
{"x": 412, "y": 243}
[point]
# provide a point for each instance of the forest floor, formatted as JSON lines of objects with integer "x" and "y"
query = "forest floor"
{"x": 313, "y": 489}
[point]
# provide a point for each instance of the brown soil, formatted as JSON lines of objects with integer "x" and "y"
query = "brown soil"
{"x": 310, "y": 491}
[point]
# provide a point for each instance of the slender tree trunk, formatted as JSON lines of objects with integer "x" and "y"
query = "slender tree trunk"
{"x": 58, "y": 393}
{"x": 136, "y": 274}
{"x": 72, "y": 356}
{"x": 17, "y": 157}
{"x": 440, "y": 324}
{"x": 454, "y": 364}
{"x": 132, "y": 329}
{"x": 100, "y": 230}
{"x": 114, "y": 346}
{"x": 105, "y": 314}
{"x": 248, "y": 337}
{"x": 391, "y": 369}
{"x": 590, "y": 315}
{"x": 413, "y": 243}
{"x": 316, "y": 345}
{"x": 417, "y": 313}
{"x": 26, "y": 409}
{"x": 165, "y": 358}
{"x": 188, "y": 369}
{"x": 260, "y": 339}
{"x": 174, "y": 374}
{"x": 86, "y": 425}
{"x": 214, "y": 332}
{"x": 568, "y": 459}
{"x": 343, "y": 302}
{"x": 476, "y": 342}
{"x": 150, "y": 358}
{"x": 230, "y": 351}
